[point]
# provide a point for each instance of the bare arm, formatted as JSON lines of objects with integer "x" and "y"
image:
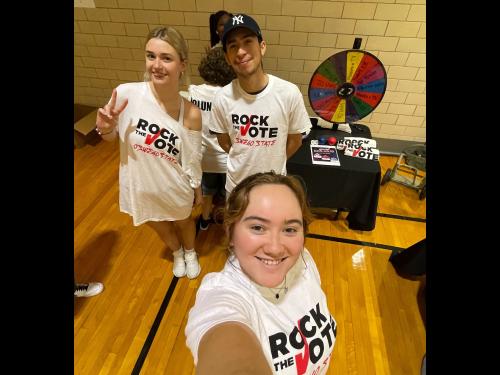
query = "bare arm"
{"x": 293, "y": 143}
{"x": 224, "y": 141}
{"x": 107, "y": 118}
{"x": 192, "y": 116}
{"x": 198, "y": 196}
{"x": 231, "y": 348}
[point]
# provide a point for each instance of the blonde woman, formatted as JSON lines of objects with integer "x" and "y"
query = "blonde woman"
{"x": 159, "y": 134}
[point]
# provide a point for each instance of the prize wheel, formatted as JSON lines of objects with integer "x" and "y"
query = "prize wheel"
{"x": 347, "y": 86}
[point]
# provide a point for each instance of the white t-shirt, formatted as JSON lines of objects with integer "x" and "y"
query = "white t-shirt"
{"x": 258, "y": 126}
{"x": 229, "y": 295}
{"x": 214, "y": 157}
{"x": 158, "y": 168}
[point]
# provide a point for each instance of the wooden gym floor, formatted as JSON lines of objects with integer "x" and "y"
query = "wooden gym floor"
{"x": 136, "y": 325}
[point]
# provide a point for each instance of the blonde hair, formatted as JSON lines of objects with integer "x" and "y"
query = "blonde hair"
{"x": 173, "y": 37}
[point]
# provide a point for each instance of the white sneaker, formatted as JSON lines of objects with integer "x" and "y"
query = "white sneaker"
{"x": 193, "y": 268}
{"x": 179, "y": 268}
{"x": 88, "y": 289}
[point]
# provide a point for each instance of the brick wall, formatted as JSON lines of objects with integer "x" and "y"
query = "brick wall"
{"x": 109, "y": 37}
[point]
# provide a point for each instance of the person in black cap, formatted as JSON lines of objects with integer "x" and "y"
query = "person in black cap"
{"x": 259, "y": 118}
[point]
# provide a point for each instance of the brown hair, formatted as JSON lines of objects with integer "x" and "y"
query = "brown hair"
{"x": 214, "y": 69}
{"x": 173, "y": 37}
{"x": 238, "y": 200}
{"x": 212, "y": 23}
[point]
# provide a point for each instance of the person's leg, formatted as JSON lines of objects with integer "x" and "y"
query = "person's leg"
{"x": 187, "y": 232}
{"x": 209, "y": 188}
{"x": 218, "y": 210}
{"x": 167, "y": 232}
{"x": 206, "y": 207}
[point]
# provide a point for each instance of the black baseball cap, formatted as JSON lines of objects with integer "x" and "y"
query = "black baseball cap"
{"x": 240, "y": 20}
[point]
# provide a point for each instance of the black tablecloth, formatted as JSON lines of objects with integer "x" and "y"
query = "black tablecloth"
{"x": 353, "y": 186}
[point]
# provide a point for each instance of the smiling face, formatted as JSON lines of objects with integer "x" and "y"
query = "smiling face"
{"x": 163, "y": 63}
{"x": 244, "y": 52}
{"x": 269, "y": 237}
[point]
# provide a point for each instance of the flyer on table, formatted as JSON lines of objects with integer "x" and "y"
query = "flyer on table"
{"x": 323, "y": 154}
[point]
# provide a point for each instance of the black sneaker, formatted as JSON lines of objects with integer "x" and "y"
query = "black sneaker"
{"x": 204, "y": 224}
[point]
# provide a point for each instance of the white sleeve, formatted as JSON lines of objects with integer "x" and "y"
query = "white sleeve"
{"x": 191, "y": 158}
{"x": 213, "y": 307}
{"x": 217, "y": 122}
{"x": 299, "y": 121}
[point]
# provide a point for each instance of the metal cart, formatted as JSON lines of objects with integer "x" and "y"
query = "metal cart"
{"x": 411, "y": 161}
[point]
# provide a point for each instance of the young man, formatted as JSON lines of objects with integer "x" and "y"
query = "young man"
{"x": 258, "y": 118}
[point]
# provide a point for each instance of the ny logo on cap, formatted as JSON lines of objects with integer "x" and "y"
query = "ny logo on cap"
{"x": 238, "y": 19}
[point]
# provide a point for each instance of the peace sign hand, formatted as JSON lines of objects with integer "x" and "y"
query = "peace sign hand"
{"x": 107, "y": 117}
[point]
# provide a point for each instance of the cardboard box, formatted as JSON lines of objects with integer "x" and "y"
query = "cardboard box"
{"x": 84, "y": 130}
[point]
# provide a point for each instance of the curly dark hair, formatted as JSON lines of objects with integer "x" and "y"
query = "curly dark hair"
{"x": 214, "y": 69}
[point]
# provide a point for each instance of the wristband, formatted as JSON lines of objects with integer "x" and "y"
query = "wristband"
{"x": 101, "y": 133}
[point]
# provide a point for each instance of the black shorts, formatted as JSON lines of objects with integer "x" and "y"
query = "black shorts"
{"x": 212, "y": 183}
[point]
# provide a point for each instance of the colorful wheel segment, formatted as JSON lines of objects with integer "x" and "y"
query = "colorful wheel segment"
{"x": 347, "y": 86}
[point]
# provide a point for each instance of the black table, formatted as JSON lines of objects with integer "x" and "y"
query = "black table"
{"x": 353, "y": 186}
